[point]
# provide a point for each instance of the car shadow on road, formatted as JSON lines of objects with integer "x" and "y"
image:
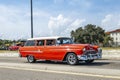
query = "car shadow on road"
{"x": 79, "y": 64}
{"x": 94, "y": 64}
{"x": 50, "y": 62}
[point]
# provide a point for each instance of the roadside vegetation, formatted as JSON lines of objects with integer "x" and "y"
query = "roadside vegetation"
{"x": 7, "y": 51}
{"x": 92, "y": 34}
{"x": 5, "y": 44}
{"x": 111, "y": 48}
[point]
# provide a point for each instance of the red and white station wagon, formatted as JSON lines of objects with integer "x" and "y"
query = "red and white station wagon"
{"x": 59, "y": 49}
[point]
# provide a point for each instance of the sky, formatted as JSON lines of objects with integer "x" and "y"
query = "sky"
{"x": 56, "y": 17}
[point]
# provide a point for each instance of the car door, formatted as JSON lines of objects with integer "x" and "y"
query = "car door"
{"x": 40, "y": 48}
{"x": 52, "y": 51}
{"x": 29, "y": 48}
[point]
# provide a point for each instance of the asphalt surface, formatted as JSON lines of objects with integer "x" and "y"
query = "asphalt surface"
{"x": 14, "y": 68}
{"x": 12, "y": 74}
{"x": 103, "y": 63}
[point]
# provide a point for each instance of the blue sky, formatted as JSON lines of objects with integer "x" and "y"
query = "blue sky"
{"x": 56, "y": 17}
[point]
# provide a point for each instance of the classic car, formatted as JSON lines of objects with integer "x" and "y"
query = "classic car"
{"x": 59, "y": 49}
{"x": 14, "y": 47}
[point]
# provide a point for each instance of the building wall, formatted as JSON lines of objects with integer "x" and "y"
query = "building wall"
{"x": 116, "y": 37}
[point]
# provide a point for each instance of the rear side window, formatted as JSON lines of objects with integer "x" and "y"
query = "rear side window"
{"x": 50, "y": 42}
{"x": 40, "y": 43}
{"x": 30, "y": 43}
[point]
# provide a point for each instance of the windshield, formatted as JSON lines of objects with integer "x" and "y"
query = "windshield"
{"x": 64, "y": 41}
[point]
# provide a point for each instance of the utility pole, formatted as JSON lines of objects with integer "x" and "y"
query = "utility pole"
{"x": 31, "y": 4}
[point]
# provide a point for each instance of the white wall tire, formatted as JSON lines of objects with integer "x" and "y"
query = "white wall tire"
{"x": 72, "y": 59}
{"x": 31, "y": 59}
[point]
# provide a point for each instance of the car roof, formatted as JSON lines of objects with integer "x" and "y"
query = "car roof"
{"x": 43, "y": 38}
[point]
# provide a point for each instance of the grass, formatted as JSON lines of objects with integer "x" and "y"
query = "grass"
{"x": 110, "y": 48}
{"x": 7, "y": 51}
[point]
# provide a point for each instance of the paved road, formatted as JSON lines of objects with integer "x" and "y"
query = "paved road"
{"x": 104, "y": 63}
{"x": 13, "y": 68}
{"x": 12, "y": 74}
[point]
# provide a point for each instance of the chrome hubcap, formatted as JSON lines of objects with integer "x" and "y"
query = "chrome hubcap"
{"x": 30, "y": 58}
{"x": 72, "y": 59}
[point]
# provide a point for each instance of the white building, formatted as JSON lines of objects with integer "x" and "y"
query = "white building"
{"x": 115, "y": 34}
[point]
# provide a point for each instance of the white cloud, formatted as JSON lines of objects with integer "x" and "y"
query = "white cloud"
{"x": 111, "y": 22}
{"x": 77, "y": 23}
{"x": 119, "y": 23}
{"x": 15, "y": 21}
{"x": 61, "y": 26}
{"x": 107, "y": 19}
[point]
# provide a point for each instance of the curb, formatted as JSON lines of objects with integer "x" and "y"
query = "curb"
{"x": 9, "y": 54}
{"x": 111, "y": 54}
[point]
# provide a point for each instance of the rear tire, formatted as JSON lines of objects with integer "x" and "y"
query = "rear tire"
{"x": 72, "y": 59}
{"x": 31, "y": 59}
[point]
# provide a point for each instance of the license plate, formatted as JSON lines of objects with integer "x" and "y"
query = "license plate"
{"x": 95, "y": 57}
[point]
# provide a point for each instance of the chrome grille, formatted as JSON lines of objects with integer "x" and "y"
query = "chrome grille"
{"x": 90, "y": 52}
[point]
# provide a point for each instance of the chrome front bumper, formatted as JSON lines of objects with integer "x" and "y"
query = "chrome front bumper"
{"x": 90, "y": 56}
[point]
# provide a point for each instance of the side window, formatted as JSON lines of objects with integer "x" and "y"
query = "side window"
{"x": 41, "y": 43}
{"x": 50, "y": 42}
{"x": 30, "y": 43}
{"x": 66, "y": 41}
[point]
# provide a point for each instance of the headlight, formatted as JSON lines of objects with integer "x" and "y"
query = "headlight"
{"x": 84, "y": 49}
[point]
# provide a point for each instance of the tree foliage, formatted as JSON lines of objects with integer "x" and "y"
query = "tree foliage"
{"x": 89, "y": 34}
{"x": 10, "y": 42}
{"x": 108, "y": 41}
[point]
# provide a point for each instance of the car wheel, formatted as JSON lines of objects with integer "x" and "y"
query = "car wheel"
{"x": 89, "y": 61}
{"x": 72, "y": 59}
{"x": 31, "y": 59}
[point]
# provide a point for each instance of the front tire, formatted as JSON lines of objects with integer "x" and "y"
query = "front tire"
{"x": 31, "y": 59}
{"x": 72, "y": 59}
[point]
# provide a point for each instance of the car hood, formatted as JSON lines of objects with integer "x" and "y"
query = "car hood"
{"x": 87, "y": 46}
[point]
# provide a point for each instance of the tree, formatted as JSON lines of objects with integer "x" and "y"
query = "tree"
{"x": 89, "y": 34}
{"x": 108, "y": 41}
